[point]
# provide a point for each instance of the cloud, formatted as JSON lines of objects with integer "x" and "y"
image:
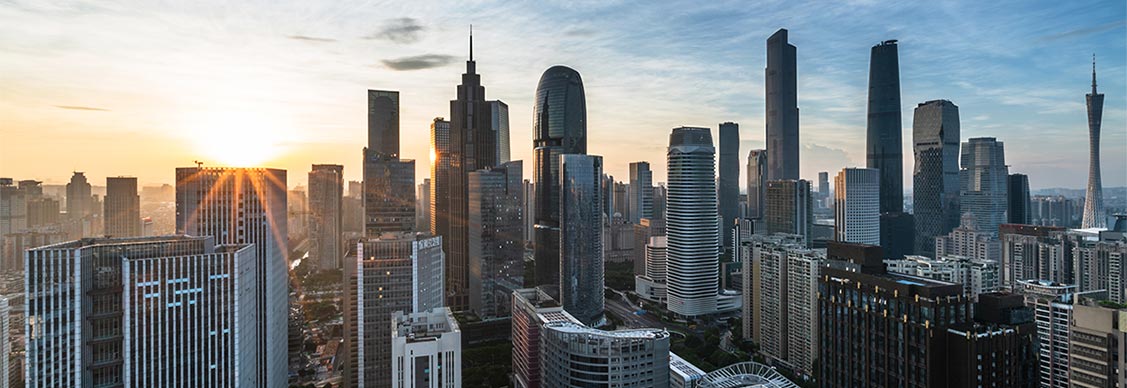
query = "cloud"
{"x": 311, "y": 38}
{"x": 78, "y": 107}
{"x": 1083, "y": 31}
{"x": 400, "y": 30}
{"x": 419, "y": 62}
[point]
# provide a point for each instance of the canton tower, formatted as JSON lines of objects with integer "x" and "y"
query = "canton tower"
{"x": 1094, "y": 202}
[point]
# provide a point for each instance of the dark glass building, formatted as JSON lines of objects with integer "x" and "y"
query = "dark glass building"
{"x": 559, "y": 125}
{"x": 581, "y": 237}
{"x": 883, "y": 142}
{"x": 782, "y": 108}
{"x": 935, "y": 178}
{"x": 879, "y": 329}
{"x": 997, "y": 350}
{"x": 496, "y": 238}
{"x": 383, "y": 122}
{"x": 1017, "y": 199}
{"x": 728, "y": 195}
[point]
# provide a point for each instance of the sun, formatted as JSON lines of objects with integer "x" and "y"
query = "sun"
{"x": 241, "y": 138}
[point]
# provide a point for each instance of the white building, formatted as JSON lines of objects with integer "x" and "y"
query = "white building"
{"x": 968, "y": 241}
{"x": 180, "y": 310}
{"x": 651, "y": 286}
{"x": 621, "y": 358}
{"x": 857, "y": 206}
{"x": 692, "y": 266}
{"x": 683, "y": 374}
{"x": 426, "y": 350}
{"x": 1052, "y": 311}
{"x": 783, "y": 291}
{"x": 976, "y": 275}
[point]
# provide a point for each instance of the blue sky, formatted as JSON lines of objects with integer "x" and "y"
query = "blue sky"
{"x": 173, "y": 82}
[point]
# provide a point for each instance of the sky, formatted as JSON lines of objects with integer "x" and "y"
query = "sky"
{"x": 121, "y": 88}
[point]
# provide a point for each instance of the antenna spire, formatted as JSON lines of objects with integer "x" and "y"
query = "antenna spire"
{"x": 1093, "y": 74}
{"x": 471, "y": 42}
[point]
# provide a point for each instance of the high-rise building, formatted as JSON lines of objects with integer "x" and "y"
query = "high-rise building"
{"x": 782, "y": 108}
{"x": 532, "y": 309}
{"x": 857, "y": 206}
{"x": 144, "y": 312}
{"x": 691, "y": 227}
{"x": 883, "y": 144}
{"x": 641, "y": 192}
{"x": 935, "y": 179}
{"x": 383, "y": 123}
{"x": 528, "y": 199}
{"x": 651, "y": 285}
{"x": 998, "y": 349}
{"x": 6, "y": 371}
{"x": 1101, "y": 265}
{"x": 478, "y": 132}
{"x": 79, "y": 202}
{"x": 824, "y": 183}
{"x": 422, "y": 206}
{"x": 619, "y": 197}
{"x": 911, "y": 314}
{"x": 1094, "y": 200}
{"x": 1032, "y": 253}
{"x": 13, "y": 219}
{"x": 442, "y": 156}
{"x": 1017, "y": 199}
{"x": 122, "y": 214}
{"x": 246, "y": 206}
{"x": 756, "y": 183}
{"x": 1053, "y": 211}
{"x": 426, "y": 349}
{"x": 982, "y": 182}
{"x": 1052, "y": 311}
{"x": 968, "y": 241}
{"x": 326, "y": 221}
{"x": 1097, "y": 347}
{"x": 559, "y": 123}
{"x": 581, "y": 237}
{"x": 393, "y": 272}
{"x": 729, "y": 179}
{"x": 646, "y": 228}
{"x": 789, "y": 208}
{"x": 496, "y": 238}
{"x": 389, "y": 194}
{"x": 783, "y": 295}
{"x": 628, "y": 357}
{"x": 977, "y": 276}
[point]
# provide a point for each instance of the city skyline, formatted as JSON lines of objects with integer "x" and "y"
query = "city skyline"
{"x": 1013, "y": 69}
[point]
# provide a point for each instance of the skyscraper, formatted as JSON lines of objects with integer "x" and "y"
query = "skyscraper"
{"x": 246, "y": 206}
{"x": 422, "y": 206}
{"x": 122, "y": 214}
{"x": 790, "y": 208}
{"x": 1094, "y": 201}
{"x": 441, "y": 158}
{"x": 496, "y": 238}
{"x": 79, "y": 202}
{"x": 1017, "y": 201}
{"x": 390, "y": 273}
{"x": 1052, "y": 305}
{"x": 428, "y": 346}
{"x": 581, "y": 237}
{"x": 729, "y": 183}
{"x": 145, "y": 312}
{"x": 383, "y": 123}
{"x": 6, "y": 371}
{"x": 782, "y": 108}
{"x": 559, "y": 123}
{"x": 691, "y": 229}
{"x": 477, "y": 139}
{"x": 824, "y": 183}
{"x": 389, "y": 194}
{"x": 982, "y": 182}
{"x": 857, "y": 206}
{"x": 641, "y": 192}
{"x": 884, "y": 133}
{"x": 782, "y": 295}
{"x": 326, "y": 224}
{"x": 935, "y": 178}
{"x": 756, "y": 183}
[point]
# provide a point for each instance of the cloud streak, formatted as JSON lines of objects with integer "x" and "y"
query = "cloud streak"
{"x": 311, "y": 38}
{"x": 79, "y": 107}
{"x": 419, "y": 62}
{"x": 400, "y": 30}
{"x": 1080, "y": 32}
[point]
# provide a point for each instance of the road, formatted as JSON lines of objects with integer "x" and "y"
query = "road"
{"x": 623, "y": 309}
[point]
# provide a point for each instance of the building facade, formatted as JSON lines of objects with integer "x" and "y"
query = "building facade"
{"x": 641, "y": 192}
{"x": 884, "y": 133}
{"x": 790, "y": 208}
{"x": 857, "y": 196}
{"x": 1017, "y": 199}
{"x": 782, "y": 108}
{"x": 426, "y": 349}
{"x": 122, "y": 214}
{"x": 575, "y": 355}
{"x": 756, "y": 183}
{"x": 1052, "y": 311}
{"x": 532, "y": 309}
{"x": 976, "y": 275}
{"x": 496, "y": 238}
{"x": 691, "y": 227}
{"x": 326, "y": 222}
{"x": 982, "y": 182}
{"x": 935, "y": 177}
{"x": 581, "y": 237}
{"x": 728, "y": 185}
{"x": 1097, "y": 352}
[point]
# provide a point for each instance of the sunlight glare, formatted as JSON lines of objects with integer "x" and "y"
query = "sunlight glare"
{"x": 241, "y": 139}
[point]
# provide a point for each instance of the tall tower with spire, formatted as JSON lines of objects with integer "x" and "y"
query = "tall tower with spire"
{"x": 1094, "y": 202}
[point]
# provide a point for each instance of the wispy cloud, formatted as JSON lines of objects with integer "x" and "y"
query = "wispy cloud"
{"x": 400, "y": 30}
{"x": 311, "y": 38}
{"x": 1081, "y": 32}
{"x": 419, "y": 62}
{"x": 79, "y": 107}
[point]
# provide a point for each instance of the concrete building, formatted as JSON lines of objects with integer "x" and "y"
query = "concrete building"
{"x": 6, "y": 371}
{"x": 426, "y": 349}
{"x": 1096, "y": 346}
{"x": 1052, "y": 311}
{"x": 79, "y": 200}
{"x": 783, "y": 300}
{"x": 683, "y": 374}
{"x": 396, "y": 272}
{"x": 998, "y": 349}
{"x": 789, "y": 208}
{"x": 496, "y": 239}
{"x": 968, "y": 241}
{"x": 691, "y": 226}
{"x": 935, "y": 178}
{"x": 646, "y": 228}
{"x": 1094, "y": 216}
{"x": 976, "y": 275}
{"x": 122, "y": 214}
{"x": 641, "y": 192}
{"x": 326, "y": 221}
{"x": 982, "y": 182}
{"x": 652, "y": 285}
{"x": 143, "y": 312}
{"x": 581, "y": 237}
{"x": 857, "y": 205}
{"x": 246, "y": 206}
{"x": 1053, "y": 211}
{"x": 728, "y": 183}
{"x": 532, "y": 309}
{"x": 782, "y": 108}
{"x": 756, "y": 183}
{"x": 1035, "y": 253}
{"x": 626, "y": 358}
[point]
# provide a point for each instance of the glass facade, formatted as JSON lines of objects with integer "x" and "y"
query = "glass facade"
{"x": 383, "y": 122}
{"x": 581, "y": 237}
{"x": 935, "y": 179}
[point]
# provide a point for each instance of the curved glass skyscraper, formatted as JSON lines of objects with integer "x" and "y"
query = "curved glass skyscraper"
{"x": 692, "y": 233}
{"x": 559, "y": 123}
